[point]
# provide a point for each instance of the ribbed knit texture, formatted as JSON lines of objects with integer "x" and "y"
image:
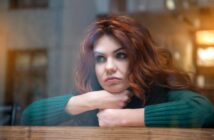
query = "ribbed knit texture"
{"x": 181, "y": 108}
{"x": 184, "y": 109}
{"x": 49, "y": 111}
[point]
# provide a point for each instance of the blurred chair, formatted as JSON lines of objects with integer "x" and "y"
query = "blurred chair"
{"x": 8, "y": 115}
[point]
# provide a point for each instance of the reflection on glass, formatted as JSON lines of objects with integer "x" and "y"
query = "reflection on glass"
{"x": 205, "y": 37}
{"x": 205, "y": 56}
{"x": 22, "y": 62}
{"x": 17, "y": 4}
{"x": 200, "y": 81}
{"x": 39, "y": 60}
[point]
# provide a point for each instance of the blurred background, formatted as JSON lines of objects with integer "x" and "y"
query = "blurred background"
{"x": 40, "y": 39}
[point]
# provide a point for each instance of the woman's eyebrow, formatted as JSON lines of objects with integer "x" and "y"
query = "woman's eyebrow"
{"x": 101, "y": 53}
{"x": 121, "y": 48}
{"x": 97, "y": 53}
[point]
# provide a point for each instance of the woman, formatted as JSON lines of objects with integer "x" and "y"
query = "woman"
{"x": 123, "y": 80}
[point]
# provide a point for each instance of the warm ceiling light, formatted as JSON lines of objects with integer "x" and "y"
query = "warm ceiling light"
{"x": 205, "y": 56}
{"x": 170, "y": 4}
{"x": 205, "y": 37}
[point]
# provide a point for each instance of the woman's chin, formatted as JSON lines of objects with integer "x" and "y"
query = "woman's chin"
{"x": 115, "y": 90}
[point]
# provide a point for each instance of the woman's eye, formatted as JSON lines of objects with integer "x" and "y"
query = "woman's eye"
{"x": 121, "y": 55}
{"x": 100, "y": 59}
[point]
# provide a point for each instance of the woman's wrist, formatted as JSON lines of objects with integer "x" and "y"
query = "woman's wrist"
{"x": 134, "y": 117}
{"x": 79, "y": 104}
{"x": 121, "y": 117}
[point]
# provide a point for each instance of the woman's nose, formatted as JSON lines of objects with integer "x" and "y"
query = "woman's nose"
{"x": 110, "y": 66}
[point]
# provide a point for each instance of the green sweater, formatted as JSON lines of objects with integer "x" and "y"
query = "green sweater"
{"x": 175, "y": 108}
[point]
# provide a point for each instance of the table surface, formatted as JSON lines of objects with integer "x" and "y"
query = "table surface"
{"x": 96, "y": 133}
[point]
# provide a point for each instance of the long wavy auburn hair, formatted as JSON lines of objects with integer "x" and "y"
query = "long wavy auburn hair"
{"x": 148, "y": 65}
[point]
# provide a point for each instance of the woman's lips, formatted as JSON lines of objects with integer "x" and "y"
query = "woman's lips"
{"x": 112, "y": 80}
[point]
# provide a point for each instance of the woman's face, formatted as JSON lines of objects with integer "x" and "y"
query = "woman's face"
{"x": 111, "y": 65}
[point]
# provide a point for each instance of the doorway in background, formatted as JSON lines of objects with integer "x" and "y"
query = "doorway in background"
{"x": 26, "y": 77}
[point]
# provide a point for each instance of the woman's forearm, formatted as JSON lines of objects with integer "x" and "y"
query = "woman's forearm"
{"x": 96, "y": 100}
{"x": 48, "y": 111}
{"x": 79, "y": 104}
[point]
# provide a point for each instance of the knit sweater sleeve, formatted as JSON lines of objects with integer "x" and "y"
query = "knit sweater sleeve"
{"x": 183, "y": 109}
{"x": 50, "y": 111}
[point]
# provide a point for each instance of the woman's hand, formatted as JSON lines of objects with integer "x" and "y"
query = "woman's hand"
{"x": 111, "y": 117}
{"x": 121, "y": 117}
{"x": 97, "y": 100}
